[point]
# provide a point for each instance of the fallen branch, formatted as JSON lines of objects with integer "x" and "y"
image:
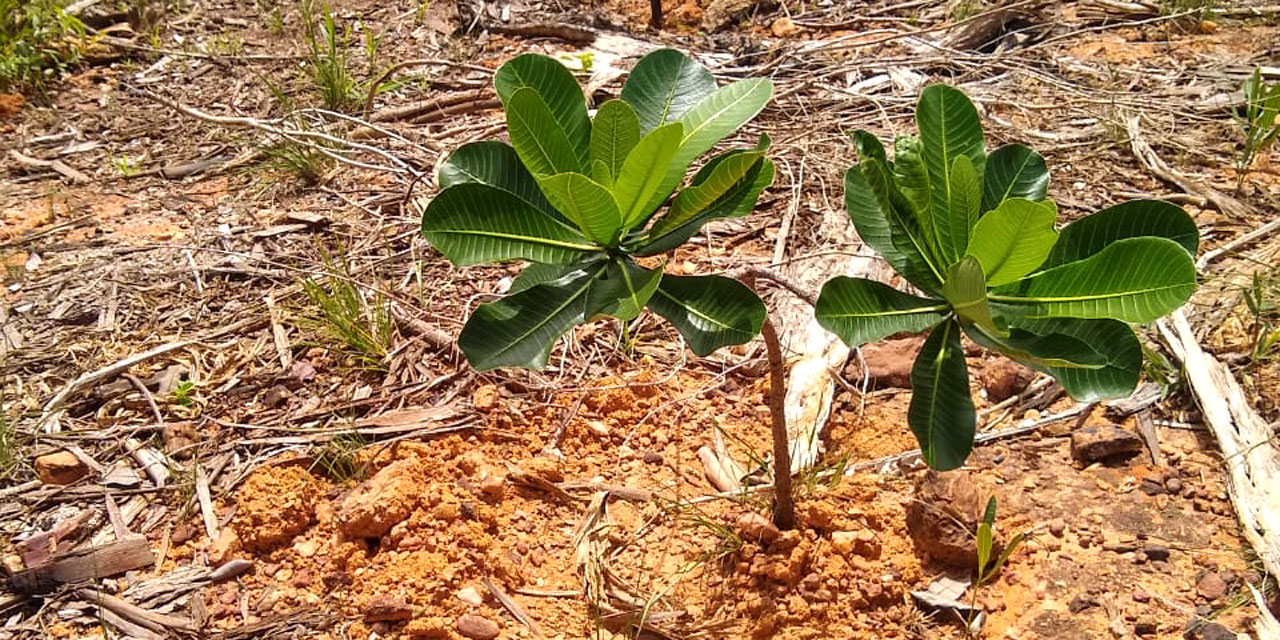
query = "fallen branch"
{"x": 1247, "y": 442}
{"x": 52, "y": 410}
{"x": 1160, "y": 169}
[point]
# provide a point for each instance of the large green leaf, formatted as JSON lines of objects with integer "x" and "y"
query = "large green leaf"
{"x": 587, "y": 203}
{"x": 1040, "y": 351}
{"x": 696, "y": 198}
{"x": 949, "y": 128}
{"x": 539, "y": 142}
{"x": 496, "y": 164}
{"x": 709, "y": 121}
{"x": 623, "y": 290}
{"x": 558, "y": 89}
{"x": 709, "y": 311}
{"x": 614, "y": 133}
{"x": 474, "y": 223}
{"x": 1013, "y": 240}
{"x": 738, "y": 200}
{"x": 966, "y": 291}
{"x": 913, "y": 181}
{"x": 963, "y": 207}
{"x": 1014, "y": 171}
{"x": 1112, "y": 340}
{"x": 519, "y": 330}
{"x": 638, "y": 189}
{"x": 665, "y": 84}
{"x": 941, "y": 412}
{"x": 542, "y": 273}
{"x": 1133, "y": 219}
{"x": 860, "y": 310}
{"x": 880, "y": 215}
{"x": 1134, "y": 280}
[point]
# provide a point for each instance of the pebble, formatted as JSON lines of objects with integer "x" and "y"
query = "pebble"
{"x": 757, "y": 528}
{"x": 1211, "y": 586}
{"x": 1057, "y": 527}
{"x": 651, "y": 457}
{"x": 470, "y": 596}
{"x": 60, "y": 467}
{"x": 1156, "y": 552}
{"x": 1141, "y": 596}
{"x": 1173, "y": 485}
{"x": 1080, "y": 603}
{"x": 387, "y": 608}
{"x": 477, "y": 627}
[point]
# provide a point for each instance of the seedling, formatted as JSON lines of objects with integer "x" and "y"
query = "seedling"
{"x": 579, "y": 198}
{"x": 987, "y": 570}
{"x": 1258, "y": 125}
{"x": 182, "y": 394}
{"x": 974, "y": 233}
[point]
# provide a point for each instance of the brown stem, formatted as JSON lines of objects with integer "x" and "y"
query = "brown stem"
{"x": 784, "y": 508}
{"x": 655, "y": 14}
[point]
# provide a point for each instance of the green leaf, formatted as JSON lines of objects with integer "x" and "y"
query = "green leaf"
{"x": 861, "y": 311}
{"x": 1112, "y": 340}
{"x": 623, "y": 290}
{"x": 665, "y": 84}
{"x": 738, "y": 200}
{"x": 496, "y": 164}
{"x": 949, "y": 128}
{"x": 1040, "y": 352}
{"x": 1009, "y": 548}
{"x": 1013, "y": 240}
{"x": 912, "y": 178}
{"x": 963, "y": 207}
{"x": 709, "y": 311}
{"x": 540, "y": 143}
{"x": 1134, "y": 280}
{"x": 519, "y": 330}
{"x": 1014, "y": 171}
{"x": 614, "y": 133}
{"x": 474, "y": 223}
{"x": 966, "y": 290}
{"x": 711, "y": 119}
{"x": 985, "y": 540}
{"x": 559, "y": 91}
{"x": 868, "y": 145}
{"x": 698, "y": 197}
{"x": 541, "y": 273}
{"x": 989, "y": 514}
{"x": 587, "y": 203}
{"x": 941, "y": 411}
{"x": 639, "y": 189}
{"x": 1133, "y": 219}
{"x": 879, "y": 213}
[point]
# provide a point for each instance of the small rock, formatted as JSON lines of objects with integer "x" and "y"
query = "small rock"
{"x": 598, "y": 428}
{"x": 485, "y": 398}
{"x": 1173, "y": 486}
{"x": 477, "y": 627}
{"x": 545, "y": 468}
{"x": 1057, "y": 527}
{"x": 470, "y": 596}
{"x": 1156, "y": 552}
{"x": 182, "y": 533}
{"x": 1003, "y": 379}
{"x": 783, "y": 27}
{"x": 888, "y": 362}
{"x": 276, "y": 396}
{"x": 493, "y": 486}
{"x": 1205, "y": 630}
{"x": 225, "y": 547}
{"x": 942, "y": 517}
{"x": 1145, "y": 627}
{"x": 60, "y": 467}
{"x": 1141, "y": 596}
{"x": 301, "y": 579}
{"x": 382, "y": 501}
{"x": 1211, "y": 587}
{"x": 1080, "y": 603}
{"x": 651, "y": 457}
{"x": 179, "y": 438}
{"x": 1104, "y": 443}
{"x": 387, "y": 608}
{"x": 1152, "y": 487}
{"x": 300, "y": 373}
{"x": 757, "y": 528}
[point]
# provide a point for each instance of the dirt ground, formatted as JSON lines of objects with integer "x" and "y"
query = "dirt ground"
{"x": 308, "y": 488}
